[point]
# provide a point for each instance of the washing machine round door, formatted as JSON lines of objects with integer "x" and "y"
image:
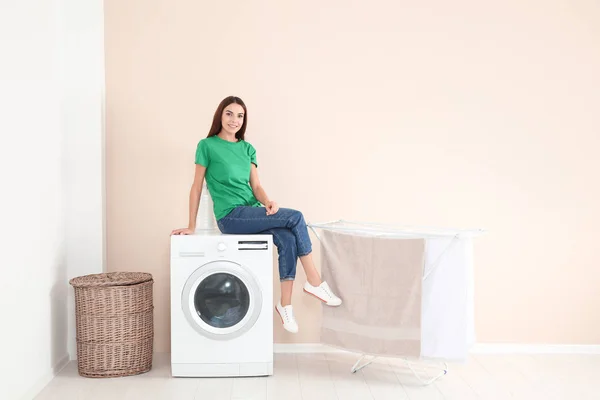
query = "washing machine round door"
{"x": 222, "y": 300}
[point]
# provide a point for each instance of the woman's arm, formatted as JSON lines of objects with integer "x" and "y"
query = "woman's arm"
{"x": 257, "y": 189}
{"x": 195, "y": 193}
{"x": 260, "y": 193}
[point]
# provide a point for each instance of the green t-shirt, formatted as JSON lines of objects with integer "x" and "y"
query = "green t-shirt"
{"x": 227, "y": 173}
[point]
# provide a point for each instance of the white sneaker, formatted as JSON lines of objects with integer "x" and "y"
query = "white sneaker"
{"x": 287, "y": 317}
{"x": 323, "y": 293}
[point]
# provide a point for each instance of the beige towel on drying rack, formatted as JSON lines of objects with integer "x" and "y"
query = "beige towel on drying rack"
{"x": 379, "y": 280}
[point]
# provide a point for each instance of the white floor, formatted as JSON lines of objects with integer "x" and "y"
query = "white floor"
{"x": 327, "y": 376}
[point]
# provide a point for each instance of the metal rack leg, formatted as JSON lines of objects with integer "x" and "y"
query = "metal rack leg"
{"x": 445, "y": 369}
{"x": 427, "y": 381}
{"x": 355, "y": 366}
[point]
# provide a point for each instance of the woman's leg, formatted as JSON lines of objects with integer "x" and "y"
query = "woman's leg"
{"x": 285, "y": 241}
{"x": 286, "y": 293}
{"x": 312, "y": 275}
{"x": 251, "y": 220}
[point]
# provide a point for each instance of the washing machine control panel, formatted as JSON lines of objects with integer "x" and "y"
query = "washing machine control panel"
{"x": 221, "y": 246}
{"x": 253, "y": 245}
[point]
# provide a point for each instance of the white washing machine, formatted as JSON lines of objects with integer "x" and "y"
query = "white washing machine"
{"x": 221, "y": 305}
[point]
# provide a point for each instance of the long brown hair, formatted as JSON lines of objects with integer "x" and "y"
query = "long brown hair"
{"x": 216, "y": 124}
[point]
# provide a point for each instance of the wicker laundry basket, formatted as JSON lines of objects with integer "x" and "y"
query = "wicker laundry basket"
{"x": 114, "y": 317}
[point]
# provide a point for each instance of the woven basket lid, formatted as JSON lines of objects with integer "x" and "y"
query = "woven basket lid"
{"x": 111, "y": 279}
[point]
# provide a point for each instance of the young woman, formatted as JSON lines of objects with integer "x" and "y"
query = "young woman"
{"x": 229, "y": 165}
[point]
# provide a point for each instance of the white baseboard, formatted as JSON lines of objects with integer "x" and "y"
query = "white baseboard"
{"x": 479, "y": 348}
{"x": 516, "y": 348}
{"x": 45, "y": 380}
{"x": 304, "y": 348}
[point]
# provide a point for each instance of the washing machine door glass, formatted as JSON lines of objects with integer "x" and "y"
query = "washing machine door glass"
{"x": 222, "y": 300}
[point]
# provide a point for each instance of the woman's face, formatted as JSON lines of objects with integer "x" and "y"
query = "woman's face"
{"x": 232, "y": 118}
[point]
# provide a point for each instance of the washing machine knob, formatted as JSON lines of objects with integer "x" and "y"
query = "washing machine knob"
{"x": 221, "y": 246}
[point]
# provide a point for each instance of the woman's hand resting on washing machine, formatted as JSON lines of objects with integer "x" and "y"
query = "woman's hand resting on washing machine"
{"x": 182, "y": 231}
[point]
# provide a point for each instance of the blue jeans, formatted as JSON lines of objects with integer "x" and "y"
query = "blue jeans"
{"x": 287, "y": 226}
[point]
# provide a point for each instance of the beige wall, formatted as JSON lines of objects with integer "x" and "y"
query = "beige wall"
{"x": 453, "y": 114}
